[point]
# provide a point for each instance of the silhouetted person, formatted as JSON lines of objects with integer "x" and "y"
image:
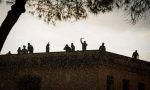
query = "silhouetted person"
{"x": 102, "y": 47}
{"x": 67, "y": 48}
{"x": 84, "y": 44}
{"x": 19, "y": 50}
{"x": 24, "y": 50}
{"x": 72, "y": 47}
{"x": 30, "y": 48}
{"x": 47, "y": 48}
{"x": 135, "y": 55}
{"x": 9, "y": 53}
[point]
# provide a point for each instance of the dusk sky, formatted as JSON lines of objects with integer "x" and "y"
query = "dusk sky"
{"x": 112, "y": 28}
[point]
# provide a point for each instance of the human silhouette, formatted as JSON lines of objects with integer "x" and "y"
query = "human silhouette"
{"x": 30, "y": 48}
{"x": 19, "y": 50}
{"x": 24, "y": 50}
{"x": 67, "y": 48}
{"x": 9, "y": 53}
{"x": 135, "y": 55}
{"x": 72, "y": 47}
{"x": 47, "y": 48}
{"x": 84, "y": 44}
{"x": 102, "y": 47}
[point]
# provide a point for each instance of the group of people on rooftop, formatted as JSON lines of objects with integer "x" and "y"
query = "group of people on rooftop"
{"x": 72, "y": 47}
{"x": 67, "y": 48}
{"x": 29, "y": 49}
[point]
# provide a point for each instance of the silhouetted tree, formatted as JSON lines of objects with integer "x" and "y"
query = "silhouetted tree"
{"x": 11, "y": 19}
{"x": 71, "y": 10}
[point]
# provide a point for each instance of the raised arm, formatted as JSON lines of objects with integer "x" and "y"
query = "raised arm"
{"x": 81, "y": 40}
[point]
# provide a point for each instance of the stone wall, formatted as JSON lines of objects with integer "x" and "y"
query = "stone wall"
{"x": 70, "y": 71}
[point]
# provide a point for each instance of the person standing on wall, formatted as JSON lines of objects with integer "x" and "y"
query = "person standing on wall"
{"x": 84, "y": 44}
{"x": 30, "y": 48}
{"x": 47, "y": 48}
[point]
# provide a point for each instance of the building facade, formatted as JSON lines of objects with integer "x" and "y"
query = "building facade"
{"x": 89, "y": 70}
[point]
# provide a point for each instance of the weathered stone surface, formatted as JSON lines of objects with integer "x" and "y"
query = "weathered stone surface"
{"x": 70, "y": 71}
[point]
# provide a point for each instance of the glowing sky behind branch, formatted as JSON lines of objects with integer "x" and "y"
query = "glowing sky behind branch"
{"x": 112, "y": 28}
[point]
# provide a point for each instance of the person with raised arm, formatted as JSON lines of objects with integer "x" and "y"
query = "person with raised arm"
{"x": 84, "y": 44}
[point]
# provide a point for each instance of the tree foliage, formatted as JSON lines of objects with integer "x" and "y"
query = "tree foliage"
{"x": 71, "y": 10}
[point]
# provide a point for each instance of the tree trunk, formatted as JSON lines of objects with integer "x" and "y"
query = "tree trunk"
{"x": 10, "y": 20}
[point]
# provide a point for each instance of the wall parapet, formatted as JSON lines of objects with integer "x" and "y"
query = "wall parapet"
{"x": 90, "y": 58}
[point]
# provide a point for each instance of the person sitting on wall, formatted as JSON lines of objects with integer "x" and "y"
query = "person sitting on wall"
{"x": 30, "y": 48}
{"x": 24, "y": 50}
{"x": 135, "y": 55}
{"x": 72, "y": 47}
{"x": 9, "y": 53}
{"x": 102, "y": 47}
{"x": 84, "y": 44}
{"x": 67, "y": 48}
{"x": 19, "y": 50}
{"x": 47, "y": 48}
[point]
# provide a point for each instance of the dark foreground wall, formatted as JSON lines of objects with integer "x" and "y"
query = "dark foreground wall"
{"x": 71, "y": 71}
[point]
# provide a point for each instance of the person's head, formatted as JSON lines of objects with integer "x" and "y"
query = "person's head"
{"x": 24, "y": 46}
{"x": 48, "y": 43}
{"x": 71, "y": 43}
{"x": 135, "y": 50}
{"x": 28, "y": 43}
{"x": 84, "y": 41}
{"x": 102, "y": 44}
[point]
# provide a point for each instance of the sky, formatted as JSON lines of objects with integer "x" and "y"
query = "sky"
{"x": 112, "y": 28}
